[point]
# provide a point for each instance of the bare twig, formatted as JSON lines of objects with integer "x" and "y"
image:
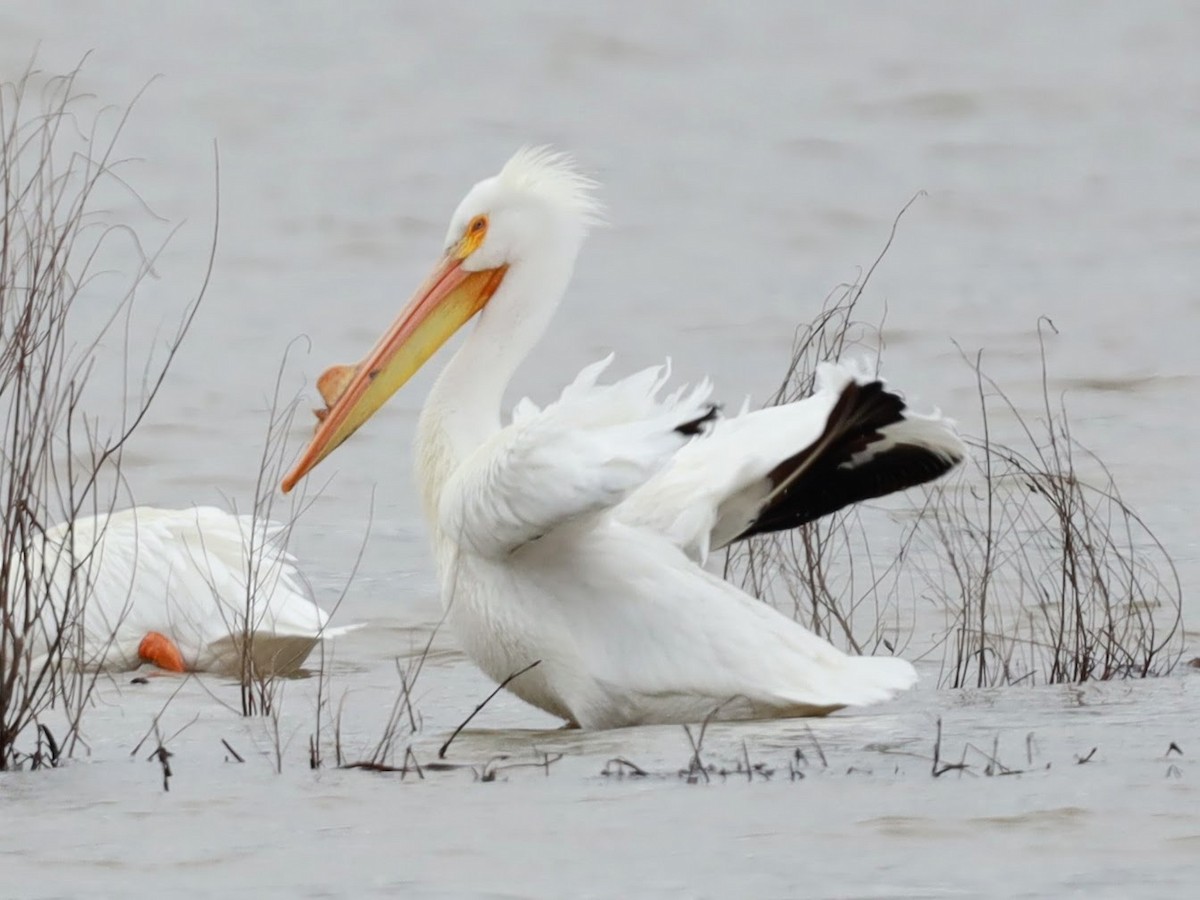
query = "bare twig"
{"x": 237, "y": 756}
{"x": 501, "y": 686}
{"x": 621, "y": 767}
{"x": 938, "y": 769}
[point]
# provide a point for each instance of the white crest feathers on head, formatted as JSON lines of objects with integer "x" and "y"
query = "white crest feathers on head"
{"x": 557, "y": 176}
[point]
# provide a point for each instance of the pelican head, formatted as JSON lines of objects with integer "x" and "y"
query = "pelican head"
{"x": 524, "y": 224}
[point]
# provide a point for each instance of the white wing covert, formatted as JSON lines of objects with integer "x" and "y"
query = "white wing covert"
{"x": 584, "y": 453}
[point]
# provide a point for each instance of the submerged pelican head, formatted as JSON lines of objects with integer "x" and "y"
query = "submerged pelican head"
{"x": 534, "y": 214}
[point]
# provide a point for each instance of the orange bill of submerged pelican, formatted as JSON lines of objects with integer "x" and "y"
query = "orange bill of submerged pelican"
{"x": 446, "y": 301}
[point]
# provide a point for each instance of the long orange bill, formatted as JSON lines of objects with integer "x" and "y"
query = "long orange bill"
{"x": 442, "y": 305}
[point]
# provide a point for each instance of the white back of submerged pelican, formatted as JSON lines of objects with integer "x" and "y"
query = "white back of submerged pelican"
{"x": 575, "y": 536}
{"x": 183, "y": 589}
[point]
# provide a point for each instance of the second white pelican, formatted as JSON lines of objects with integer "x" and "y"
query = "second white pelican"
{"x": 182, "y": 589}
{"x": 575, "y": 536}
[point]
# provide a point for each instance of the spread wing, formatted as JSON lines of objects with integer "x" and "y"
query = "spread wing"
{"x": 584, "y": 453}
{"x": 779, "y": 467}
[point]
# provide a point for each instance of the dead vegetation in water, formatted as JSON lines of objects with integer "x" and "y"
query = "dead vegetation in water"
{"x": 402, "y": 723}
{"x": 401, "y": 726}
{"x": 1058, "y": 579}
{"x": 59, "y": 461}
{"x": 486, "y": 700}
{"x": 1043, "y": 572}
{"x": 738, "y": 762}
{"x": 266, "y": 536}
{"x": 160, "y": 754}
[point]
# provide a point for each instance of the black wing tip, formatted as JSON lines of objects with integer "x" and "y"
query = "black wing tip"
{"x": 899, "y": 468}
{"x": 869, "y": 408}
{"x": 821, "y": 479}
{"x": 699, "y": 425}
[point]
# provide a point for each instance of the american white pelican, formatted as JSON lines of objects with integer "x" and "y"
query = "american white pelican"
{"x": 574, "y": 536}
{"x": 168, "y": 587}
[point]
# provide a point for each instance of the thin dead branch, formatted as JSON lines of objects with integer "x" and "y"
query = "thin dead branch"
{"x": 486, "y": 700}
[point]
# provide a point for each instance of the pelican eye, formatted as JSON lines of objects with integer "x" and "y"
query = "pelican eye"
{"x": 472, "y": 237}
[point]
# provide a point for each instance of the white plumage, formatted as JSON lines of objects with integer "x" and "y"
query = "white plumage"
{"x": 179, "y": 573}
{"x": 575, "y": 536}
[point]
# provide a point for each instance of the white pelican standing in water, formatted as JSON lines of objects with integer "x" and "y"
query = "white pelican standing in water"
{"x": 167, "y": 587}
{"x": 575, "y": 536}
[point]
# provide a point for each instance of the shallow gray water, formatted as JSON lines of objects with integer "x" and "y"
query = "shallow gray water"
{"x": 753, "y": 158}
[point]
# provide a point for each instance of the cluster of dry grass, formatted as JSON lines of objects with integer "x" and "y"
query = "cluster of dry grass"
{"x": 1057, "y": 578}
{"x": 1044, "y": 574}
{"x": 57, "y": 461}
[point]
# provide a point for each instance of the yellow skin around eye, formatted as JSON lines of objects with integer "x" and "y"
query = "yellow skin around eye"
{"x": 473, "y": 237}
